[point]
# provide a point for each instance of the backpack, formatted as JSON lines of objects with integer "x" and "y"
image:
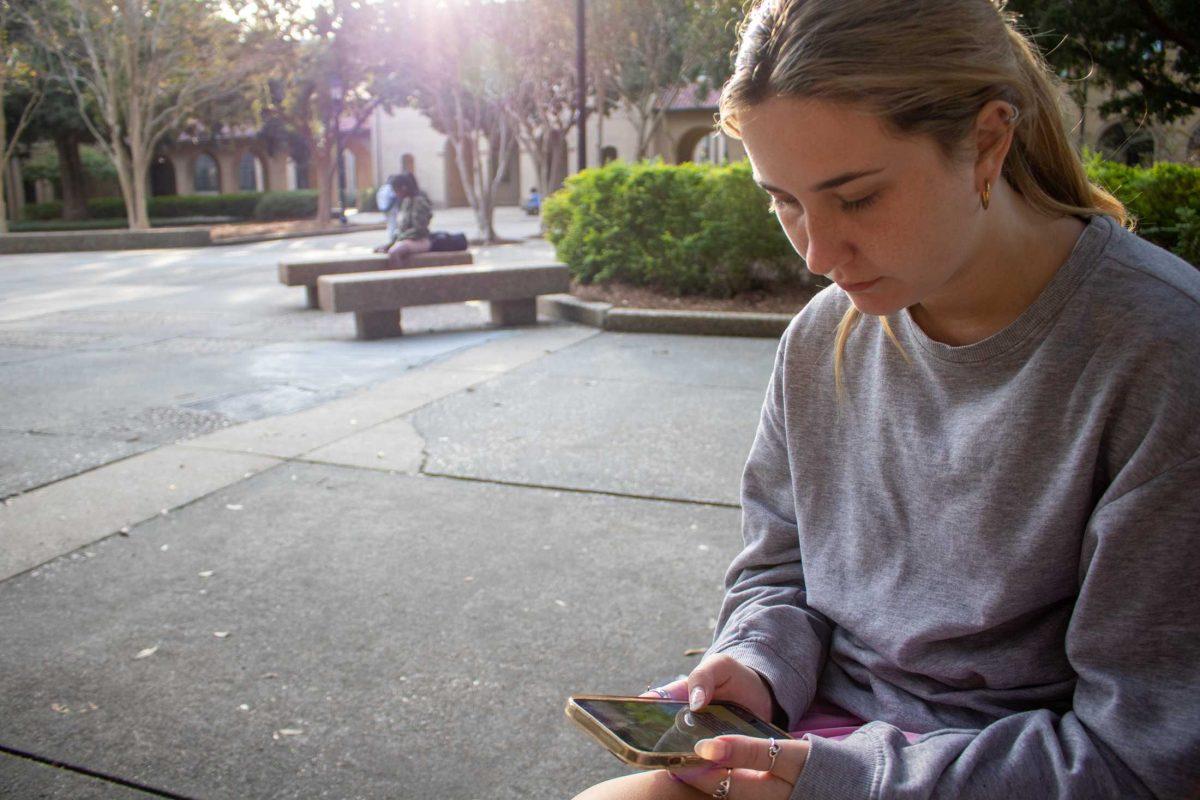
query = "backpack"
{"x": 441, "y": 241}
{"x": 385, "y": 197}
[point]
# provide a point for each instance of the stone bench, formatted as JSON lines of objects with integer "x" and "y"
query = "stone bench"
{"x": 376, "y": 298}
{"x": 305, "y": 273}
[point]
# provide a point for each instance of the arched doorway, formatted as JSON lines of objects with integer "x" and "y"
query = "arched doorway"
{"x": 607, "y": 153}
{"x": 162, "y": 177}
{"x": 206, "y": 178}
{"x": 702, "y": 146}
{"x": 250, "y": 174}
{"x": 297, "y": 174}
{"x": 1135, "y": 150}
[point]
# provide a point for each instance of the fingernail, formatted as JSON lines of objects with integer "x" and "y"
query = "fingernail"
{"x": 697, "y": 699}
{"x": 712, "y": 749}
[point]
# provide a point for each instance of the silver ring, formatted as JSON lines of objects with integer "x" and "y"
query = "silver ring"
{"x": 773, "y": 752}
{"x": 722, "y": 790}
{"x": 661, "y": 692}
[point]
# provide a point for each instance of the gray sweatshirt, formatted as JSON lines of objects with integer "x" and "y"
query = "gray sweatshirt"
{"x": 996, "y": 546}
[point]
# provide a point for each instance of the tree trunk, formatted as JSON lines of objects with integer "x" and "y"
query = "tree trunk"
{"x": 124, "y": 178}
{"x": 71, "y": 176}
{"x": 3, "y": 165}
{"x": 137, "y": 167}
{"x": 324, "y": 171}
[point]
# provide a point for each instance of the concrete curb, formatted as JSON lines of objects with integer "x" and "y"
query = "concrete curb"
{"x": 649, "y": 320}
{"x": 158, "y": 238}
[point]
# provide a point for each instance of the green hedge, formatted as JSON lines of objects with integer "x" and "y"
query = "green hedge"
{"x": 240, "y": 205}
{"x": 287, "y": 205}
{"x": 687, "y": 229}
{"x": 703, "y": 229}
{"x": 1163, "y": 198}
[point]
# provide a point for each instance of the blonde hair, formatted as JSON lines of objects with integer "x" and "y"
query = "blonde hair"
{"x": 926, "y": 67}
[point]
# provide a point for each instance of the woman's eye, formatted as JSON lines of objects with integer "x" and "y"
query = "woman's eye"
{"x": 860, "y": 204}
{"x": 778, "y": 203}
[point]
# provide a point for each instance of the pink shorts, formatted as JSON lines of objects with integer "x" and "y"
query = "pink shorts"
{"x": 828, "y": 721}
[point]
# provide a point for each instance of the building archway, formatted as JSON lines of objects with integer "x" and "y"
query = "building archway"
{"x": 251, "y": 175}
{"x": 607, "y": 153}
{"x": 206, "y": 175}
{"x": 162, "y": 177}
{"x": 297, "y": 174}
{"x": 702, "y": 145}
{"x": 1135, "y": 150}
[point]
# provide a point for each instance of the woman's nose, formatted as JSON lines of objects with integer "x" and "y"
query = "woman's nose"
{"x": 825, "y": 249}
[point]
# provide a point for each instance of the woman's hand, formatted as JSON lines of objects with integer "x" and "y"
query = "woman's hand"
{"x": 720, "y": 677}
{"x": 744, "y": 769}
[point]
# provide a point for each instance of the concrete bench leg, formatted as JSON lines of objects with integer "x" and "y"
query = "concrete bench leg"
{"x": 377, "y": 324}
{"x": 311, "y": 291}
{"x": 514, "y": 312}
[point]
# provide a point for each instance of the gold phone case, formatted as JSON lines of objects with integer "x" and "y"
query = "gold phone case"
{"x": 641, "y": 759}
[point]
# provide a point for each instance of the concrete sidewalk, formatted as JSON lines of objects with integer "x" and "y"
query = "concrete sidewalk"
{"x": 289, "y": 564}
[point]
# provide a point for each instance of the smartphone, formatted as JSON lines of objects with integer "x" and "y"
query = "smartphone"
{"x": 652, "y": 733}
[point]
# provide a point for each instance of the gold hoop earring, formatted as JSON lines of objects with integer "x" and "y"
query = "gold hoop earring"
{"x": 986, "y": 194}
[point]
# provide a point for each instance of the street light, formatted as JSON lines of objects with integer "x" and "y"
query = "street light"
{"x": 581, "y": 79}
{"x": 335, "y": 96}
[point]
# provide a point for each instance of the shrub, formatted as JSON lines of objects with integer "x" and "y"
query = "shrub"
{"x": 239, "y": 205}
{"x": 106, "y": 208}
{"x": 286, "y": 205}
{"x": 687, "y": 229}
{"x": 1164, "y": 200}
{"x": 42, "y": 211}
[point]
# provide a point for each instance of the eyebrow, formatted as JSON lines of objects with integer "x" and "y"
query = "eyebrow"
{"x": 832, "y": 183}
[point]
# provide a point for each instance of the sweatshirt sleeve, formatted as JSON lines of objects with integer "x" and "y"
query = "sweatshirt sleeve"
{"x": 765, "y": 622}
{"x": 1133, "y": 730}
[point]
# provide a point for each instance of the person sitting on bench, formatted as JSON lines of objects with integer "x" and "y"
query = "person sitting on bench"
{"x": 415, "y": 214}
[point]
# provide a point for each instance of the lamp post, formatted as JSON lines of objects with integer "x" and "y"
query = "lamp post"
{"x": 581, "y": 81}
{"x": 335, "y": 97}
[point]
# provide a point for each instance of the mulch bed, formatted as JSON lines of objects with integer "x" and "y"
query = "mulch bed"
{"x": 785, "y": 299}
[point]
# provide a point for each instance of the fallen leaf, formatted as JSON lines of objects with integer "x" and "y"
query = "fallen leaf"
{"x": 234, "y": 506}
{"x": 60, "y": 708}
{"x": 220, "y": 634}
{"x": 208, "y": 573}
{"x": 290, "y": 731}
{"x": 695, "y": 651}
{"x": 243, "y": 707}
{"x": 469, "y": 578}
{"x": 561, "y": 603}
{"x": 149, "y": 651}
{"x": 269, "y": 675}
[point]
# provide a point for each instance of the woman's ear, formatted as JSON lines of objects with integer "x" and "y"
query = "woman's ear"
{"x": 995, "y": 128}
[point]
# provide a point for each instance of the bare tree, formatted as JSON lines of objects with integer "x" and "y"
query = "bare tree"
{"x": 17, "y": 71}
{"x": 538, "y": 67}
{"x": 646, "y": 53}
{"x": 146, "y": 64}
{"x": 452, "y": 56}
{"x": 332, "y": 66}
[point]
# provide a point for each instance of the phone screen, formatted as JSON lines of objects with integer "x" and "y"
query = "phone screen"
{"x": 669, "y": 726}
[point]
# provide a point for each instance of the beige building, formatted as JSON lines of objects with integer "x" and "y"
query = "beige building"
{"x": 404, "y": 140}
